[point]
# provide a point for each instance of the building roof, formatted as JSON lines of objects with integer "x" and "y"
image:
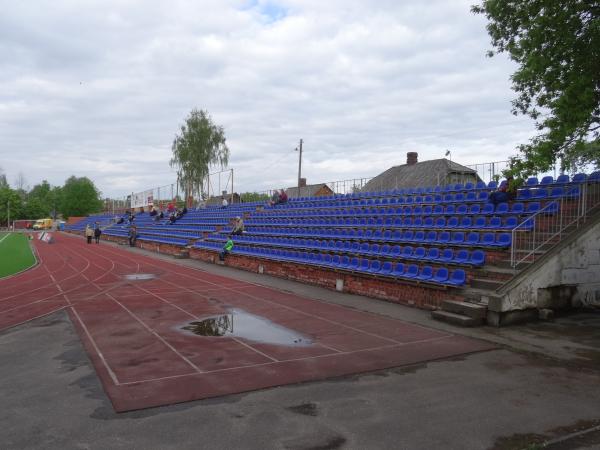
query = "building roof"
{"x": 426, "y": 173}
{"x": 309, "y": 190}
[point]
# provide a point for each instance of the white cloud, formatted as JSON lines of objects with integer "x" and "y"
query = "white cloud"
{"x": 99, "y": 88}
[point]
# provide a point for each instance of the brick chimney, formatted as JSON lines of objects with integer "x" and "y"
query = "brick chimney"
{"x": 412, "y": 158}
{"x": 302, "y": 182}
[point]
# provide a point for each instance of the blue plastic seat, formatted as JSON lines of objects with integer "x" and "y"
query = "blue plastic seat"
{"x": 432, "y": 254}
{"x": 431, "y": 237}
{"x": 364, "y": 265}
{"x": 440, "y": 222}
{"x": 492, "y": 184}
{"x": 395, "y": 251}
{"x": 503, "y": 240}
{"x": 412, "y": 271}
{"x": 547, "y": 180}
{"x": 562, "y": 179}
{"x": 502, "y": 208}
{"x": 458, "y": 238}
{"x": 375, "y": 266}
{"x": 480, "y": 185}
{"x": 345, "y": 262}
{"x": 447, "y": 255}
{"x": 354, "y": 264}
{"x": 532, "y": 181}
{"x": 477, "y": 258}
{"x": 461, "y": 257}
{"x": 517, "y": 208}
{"x": 407, "y": 252}
{"x": 494, "y": 222}
{"x": 483, "y": 196}
{"x": 523, "y": 194}
{"x": 452, "y": 222}
{"x": 488, "y": 209}
{"x": 466, "y": 222}
{"x": 462, "y": 209}
{"x": 440, "y": 276}
{"x": 510, "y": 222}
{"x": 386, "y": 268}
{"x": 539, "y": 194}
{"x": 556, "y": 192}
{"x": 532, "y": 207}
{"x": 488, "y": 240}
{"x": 419, "y": 253}
{"x": 443, "y": 237}
{"x": 425, "y": 274}
{"x": 419, "y": 236}
{"x": 469, "y": 186}
{"x": 457, "y": 278}
{"x": 579, "y": 178}
{"x": 398, "y": 270}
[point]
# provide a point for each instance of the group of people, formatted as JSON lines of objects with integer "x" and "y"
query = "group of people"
{"x": 93, "y": 233}
{"x": 278, "y": 198}
{"x": 237, "y": 229}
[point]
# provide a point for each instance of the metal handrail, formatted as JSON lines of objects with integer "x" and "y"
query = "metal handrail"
{"x": 533, "y": 239}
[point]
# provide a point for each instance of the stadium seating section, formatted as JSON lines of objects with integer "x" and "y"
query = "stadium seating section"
{"x": 430, "y": 235}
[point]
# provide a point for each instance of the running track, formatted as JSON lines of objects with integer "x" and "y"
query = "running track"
{"x": 131, "y": 329}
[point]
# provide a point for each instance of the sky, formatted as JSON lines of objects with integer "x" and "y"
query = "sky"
{"x": 100, "y": 88}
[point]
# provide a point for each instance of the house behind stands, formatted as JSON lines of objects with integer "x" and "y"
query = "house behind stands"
{"x": 435, "y": 172}
{"x": 311, "y": 190}
{"x": 218, "y": 199}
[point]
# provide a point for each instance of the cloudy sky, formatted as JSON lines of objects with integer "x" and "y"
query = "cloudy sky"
{"x": 99, "y": 88}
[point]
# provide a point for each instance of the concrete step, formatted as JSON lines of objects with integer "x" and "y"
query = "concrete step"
{"x": 482, "y": 283}
{"x": 456, "y": 319}
{"x": 473, "y": 310}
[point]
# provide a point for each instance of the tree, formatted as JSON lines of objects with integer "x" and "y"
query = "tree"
{"x": 248, "y": 197}
{"x": 10, "y": 204}
{"x": 557, "y": 47}
{"x": 3, "y": 181}
{"x": 79, "y": 197}
{"x": 40, "y": 202}
{"x": 199, "y": 145}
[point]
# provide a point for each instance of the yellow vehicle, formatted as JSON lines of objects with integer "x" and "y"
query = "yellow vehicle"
{"x": 42, "y": 224}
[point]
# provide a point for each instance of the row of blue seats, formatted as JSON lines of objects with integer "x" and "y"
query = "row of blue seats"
{"x": 466, "y": 222}
{"x": 532, "y": 181}
{"x": 432, "y": 254}
{"x": 472, "y": 239}
{"x": 399, "y": 270}
{"x": 427, "y": 210}
{"x": 544, "y": 193}
{"x": 563, "y": 179}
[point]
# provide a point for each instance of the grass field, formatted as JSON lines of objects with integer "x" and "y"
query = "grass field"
{"x": 15, "y": 254}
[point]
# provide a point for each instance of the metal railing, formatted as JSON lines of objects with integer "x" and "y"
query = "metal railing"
{"x": 541, "y": 231}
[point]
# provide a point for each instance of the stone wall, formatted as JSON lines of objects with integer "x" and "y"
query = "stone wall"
{"x": 567, "y": 276}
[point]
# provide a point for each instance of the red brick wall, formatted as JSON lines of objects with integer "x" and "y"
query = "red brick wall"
{"x": 419, "y": 295}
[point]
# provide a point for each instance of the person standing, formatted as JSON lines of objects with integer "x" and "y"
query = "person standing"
{"x": 89, "y": 233}
{"x": 97, "y": 233}
{"x": 132, "y": 235}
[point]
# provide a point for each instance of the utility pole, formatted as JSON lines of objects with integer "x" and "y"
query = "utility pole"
{"x": 8, "y": 214}
{"x": 299, "y": 165}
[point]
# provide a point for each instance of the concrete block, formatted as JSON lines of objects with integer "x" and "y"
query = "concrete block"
{"x": 546, "y": 314}
{"x": 339, "y": 284}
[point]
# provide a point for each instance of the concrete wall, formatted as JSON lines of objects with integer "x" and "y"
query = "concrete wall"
{"x": 568, "y": 276}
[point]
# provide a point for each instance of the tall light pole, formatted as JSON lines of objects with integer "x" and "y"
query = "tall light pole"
{"x": 299, "y": 165}
{"x": 8, "y": 214}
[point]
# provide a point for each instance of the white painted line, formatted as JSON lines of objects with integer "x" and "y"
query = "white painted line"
{"x": 98, "y": 352}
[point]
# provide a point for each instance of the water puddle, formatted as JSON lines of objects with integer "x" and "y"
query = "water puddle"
{"x": 140, "y": 276}
{"x": 239, "y": 323}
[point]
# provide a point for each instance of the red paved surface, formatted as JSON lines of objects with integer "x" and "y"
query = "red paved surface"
{"x": 131, "y": 328}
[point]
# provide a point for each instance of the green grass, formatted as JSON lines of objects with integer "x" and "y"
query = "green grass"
{"x": 15, "y": 254}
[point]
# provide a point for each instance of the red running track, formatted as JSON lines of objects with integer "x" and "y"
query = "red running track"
{"x": 132, "y": 329}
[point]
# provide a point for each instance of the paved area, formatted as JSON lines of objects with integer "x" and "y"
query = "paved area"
{"x": 517, "y": 396}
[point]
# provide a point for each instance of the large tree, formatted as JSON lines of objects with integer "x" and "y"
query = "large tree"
{"x": 79, "y": 197}
{"x": 200, "y": 144}
{"x": 556, "y": 45}
{"x": 11, "y": 205}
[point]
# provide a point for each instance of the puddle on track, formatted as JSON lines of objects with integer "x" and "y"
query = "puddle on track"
{"x": 241, "y": 324}
{"x": 140, "y": 276}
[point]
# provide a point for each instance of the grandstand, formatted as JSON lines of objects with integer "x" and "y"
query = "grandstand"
{"x": 418, "y": 246}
